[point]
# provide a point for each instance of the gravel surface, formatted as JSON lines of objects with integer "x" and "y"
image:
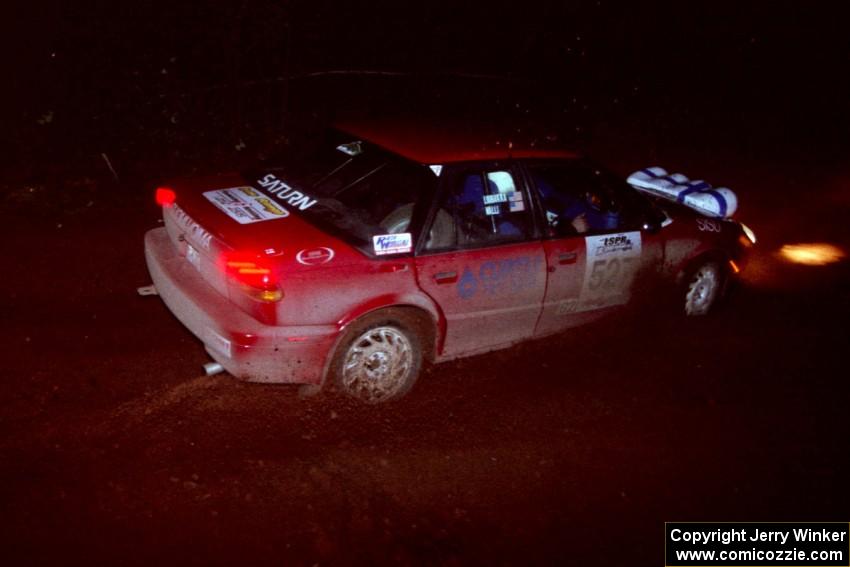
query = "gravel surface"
{"x": 114, "y": 448}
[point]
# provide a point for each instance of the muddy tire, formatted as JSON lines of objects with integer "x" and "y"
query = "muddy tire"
{"x": 703, "y": 288}
{"x": 379, "y": 357}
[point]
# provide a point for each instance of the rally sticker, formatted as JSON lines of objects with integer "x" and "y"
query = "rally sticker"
{"x": 612, "y": 262}
{"x": 497, "y": 198}
{"x": 392, "y": 243}
{"x": 516, "y": 204}
{"x": 513, "y": 198}
{"x": 246, "y": 205}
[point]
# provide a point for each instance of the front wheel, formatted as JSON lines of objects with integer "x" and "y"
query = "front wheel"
{"x": 378, "y": 359}
{"x": 703, "y": 288}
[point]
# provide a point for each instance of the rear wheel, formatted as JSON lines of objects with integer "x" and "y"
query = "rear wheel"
{"x": 379, "y": 358}
{"x": 703, "y": 288}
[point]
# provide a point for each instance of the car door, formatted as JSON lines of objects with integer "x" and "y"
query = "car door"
{"x": 482, "y": 261}
{"x": 595, "y": 244}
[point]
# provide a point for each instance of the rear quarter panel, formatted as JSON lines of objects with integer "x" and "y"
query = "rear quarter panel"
{"x": 348, "y": 287}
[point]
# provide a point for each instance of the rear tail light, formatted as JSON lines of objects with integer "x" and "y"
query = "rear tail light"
{"x": 257, "y": 278}
{"x": 165, "y": 196}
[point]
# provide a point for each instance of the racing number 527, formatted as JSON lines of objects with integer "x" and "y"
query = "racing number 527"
{"x": 606, "y": 275}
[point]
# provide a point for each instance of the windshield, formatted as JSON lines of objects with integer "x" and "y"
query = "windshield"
{"x": 350, "y": 187}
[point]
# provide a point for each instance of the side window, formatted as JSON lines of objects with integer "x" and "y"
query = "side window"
{"x": 481, "y": 208}
{"x": 578, "y": 198}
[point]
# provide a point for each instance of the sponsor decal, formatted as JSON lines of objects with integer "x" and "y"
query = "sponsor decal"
{"x": 506, "y": 276}
{"x": 285, "y": 193}
{"x": 351, "y": 148}
{"x": 708, "y": 225}
{"x": 245, "y": 205}
{"x": 195, "y": 231}
{"x": 567, "y": 306}
{"x": 612, "y": 262}
{"x": 250, "y": 191}
{"x": 315, "y": 256}
{"x": 271, "y": 207}
{"x": 392, "y": 243}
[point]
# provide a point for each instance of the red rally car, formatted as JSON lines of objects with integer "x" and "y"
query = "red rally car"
{"x": 384, "y": 246}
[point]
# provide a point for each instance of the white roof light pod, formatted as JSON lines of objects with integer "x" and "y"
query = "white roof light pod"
{"x": 718, "y": 202}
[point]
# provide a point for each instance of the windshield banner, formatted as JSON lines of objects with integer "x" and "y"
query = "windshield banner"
{"x": 285, "y": 193}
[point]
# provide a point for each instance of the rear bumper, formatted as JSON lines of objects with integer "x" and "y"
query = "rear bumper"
{"x": 245, "y": 347}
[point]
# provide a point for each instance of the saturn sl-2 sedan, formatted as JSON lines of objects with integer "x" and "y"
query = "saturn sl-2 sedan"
{"x": 356, "y": 259}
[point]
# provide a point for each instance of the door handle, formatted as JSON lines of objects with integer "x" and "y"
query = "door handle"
{"x": 567, "y": 258}
{"x": 445, "y": 277}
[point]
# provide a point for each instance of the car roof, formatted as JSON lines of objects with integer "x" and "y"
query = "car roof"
{"x": 432, "y": 142}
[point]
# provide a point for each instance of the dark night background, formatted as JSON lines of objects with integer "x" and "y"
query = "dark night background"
{"x": 161, "y": 85}
{"x": 112, "y": 449}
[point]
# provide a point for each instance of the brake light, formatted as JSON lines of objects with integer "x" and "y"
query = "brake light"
{"x": 165, "y": 196}
{"x": 257, "y": 279}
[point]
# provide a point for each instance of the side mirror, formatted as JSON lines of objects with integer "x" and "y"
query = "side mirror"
{"x": 651, "y": 226}
{"x": 653, "y": 220}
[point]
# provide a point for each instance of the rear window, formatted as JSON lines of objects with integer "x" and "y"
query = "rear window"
{"x": 349, "y": 187}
